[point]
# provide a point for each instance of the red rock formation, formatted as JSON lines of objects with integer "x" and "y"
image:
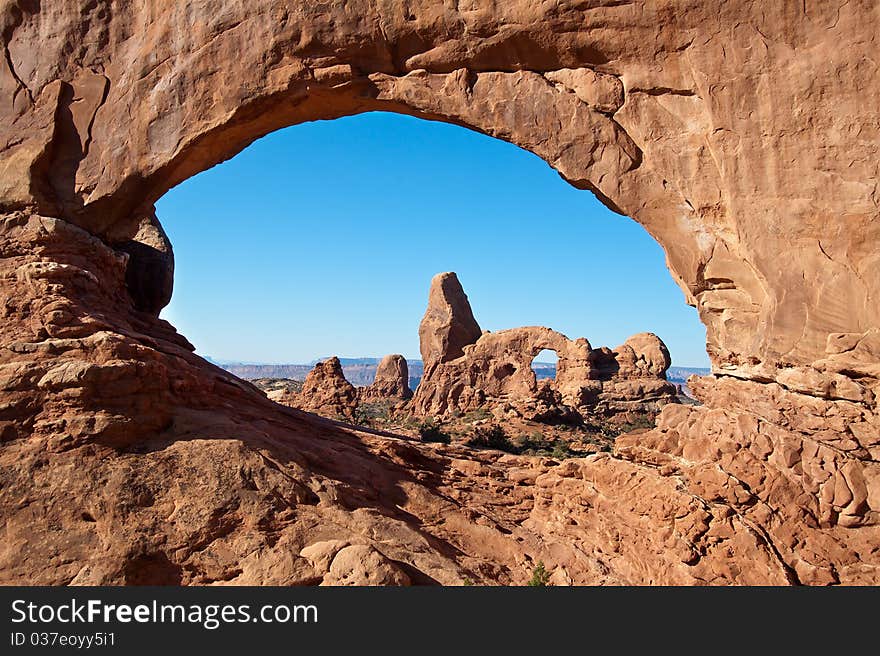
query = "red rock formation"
{"x": 494, "y": 369}
{"x": 326, "y": 392}
{"x": 742, "y": 135}
{"x": 448, "y": 325}
{"x": 127, "y": 459}
{"x": 632, "y": 377}
{"x": 391, "y": 383}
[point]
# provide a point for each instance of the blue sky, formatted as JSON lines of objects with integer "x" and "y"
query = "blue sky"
{"x": 322, "y": 239}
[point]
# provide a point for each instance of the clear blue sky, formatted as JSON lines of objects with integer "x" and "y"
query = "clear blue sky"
{"x": 322, "y": 239}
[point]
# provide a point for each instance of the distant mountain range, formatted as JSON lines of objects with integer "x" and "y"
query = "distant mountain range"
{"x": 360, "y": 372}
{"x": 679, "y": 376}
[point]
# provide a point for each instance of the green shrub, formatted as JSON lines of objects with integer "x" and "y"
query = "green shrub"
{"x": 540, "y": 576}
{"x": 534, "y": 444}
{"x": 361, "y": 418}
{"x": 431, "y": 432}
{"x": 372, "y": 414}
{"x": 561, "y": 451}
{"x": 642, "y": 421}
{"x": 476, "y": 415}
{"x": 537, "y": 445}
{"x": 492, "y": 437}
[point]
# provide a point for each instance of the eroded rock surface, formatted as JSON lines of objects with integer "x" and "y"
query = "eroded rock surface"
{"x": 494, "y": 369}
{"x": 391, "y": 383}
{"x": 742, "y": 135}
{"x": 326, "y": 391}
{"x": 448, "y": 324}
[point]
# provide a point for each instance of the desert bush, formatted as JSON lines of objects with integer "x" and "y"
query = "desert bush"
{"x": 534, "y": 445}
{"x": 641, "y": 421}
{"x": 432, "y": 432}
{"x": 540, "y": 576}
{"x": 538, "y": 445}
{"x": 492, "y": 437}
{"x": 476, "y": 415}
{"x": 372, "y": 414}
{"x": 562, "y": 450}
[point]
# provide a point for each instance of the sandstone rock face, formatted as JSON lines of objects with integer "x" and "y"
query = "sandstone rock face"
{"x": 149, "y": 273}
{"x": 391, "y": 383}
{"x": 448, "y": 325}
{"x": 495, "y": 369}
{"x": 363, "y": 565}
{"x": 742, "y": 135}
{"x": 633, "y": 376}
{"x": 326, "y": 391}
{"x": 642, "y": 114}
{"x": 641, "y": 355}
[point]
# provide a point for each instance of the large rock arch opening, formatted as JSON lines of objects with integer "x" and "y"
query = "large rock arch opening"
{"x": 690, "y": 119}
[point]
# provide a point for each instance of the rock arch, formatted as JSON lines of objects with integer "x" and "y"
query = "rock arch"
{"x": 687, "y": 117}
{"x": 467, "y": 369}
{"x": 154, "y": 95}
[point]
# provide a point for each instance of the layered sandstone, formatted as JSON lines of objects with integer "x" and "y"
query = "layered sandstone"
{"x": 742, "y": 135}
{"x": 494, "y": 369}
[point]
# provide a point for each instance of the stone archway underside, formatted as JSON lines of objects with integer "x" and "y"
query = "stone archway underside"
{"x": 742, "y": 135}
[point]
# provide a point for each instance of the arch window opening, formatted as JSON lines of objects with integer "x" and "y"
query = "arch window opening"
{"x": 322, "y": 239}
{"x": 544, "y": 365}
